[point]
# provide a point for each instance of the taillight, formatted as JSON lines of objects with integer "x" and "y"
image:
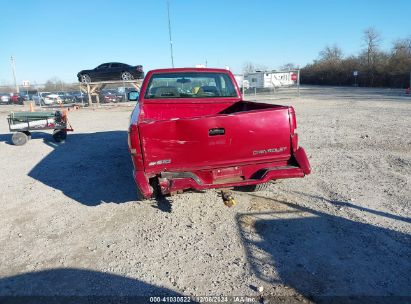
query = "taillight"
{"x": 134, "y": 146}
{"x": 133, "y": 139}
{"x": 293, "y": 120}
{"x": 293, "y": 126}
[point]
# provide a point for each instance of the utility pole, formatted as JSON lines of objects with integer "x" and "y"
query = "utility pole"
{"x": 169, "y": 34}
{"x": 13, "y": 68}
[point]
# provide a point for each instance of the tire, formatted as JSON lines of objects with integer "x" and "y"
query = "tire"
{"x": 253, "y": 188}
{"x": 60, "y": 135}
{"x": 19, "y": 138}
{"x": 126, "y": 76}
{"x": 85, "y": 78}
{"x": 28, "y": 134}
{"x": 261, "y": 187}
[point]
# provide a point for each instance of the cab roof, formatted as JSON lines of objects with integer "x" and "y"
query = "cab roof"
{"x": 174, "y": 70}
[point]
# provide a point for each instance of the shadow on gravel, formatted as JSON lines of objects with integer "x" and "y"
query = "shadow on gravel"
{"x": 163, "y": 204}
{"x": 90, "y": 168}
{"x": 319, "y": 254}
{"x": 6, "y": 138}
{"x": 70, "y": 285}
{"x": 353, "y": 206}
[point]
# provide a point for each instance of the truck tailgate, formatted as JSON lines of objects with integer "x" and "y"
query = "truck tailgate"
{"x": 221, "y": 140}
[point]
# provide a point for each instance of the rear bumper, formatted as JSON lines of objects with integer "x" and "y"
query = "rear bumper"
{"x": 176, "y": 184}
{"x": 170, "y": 182}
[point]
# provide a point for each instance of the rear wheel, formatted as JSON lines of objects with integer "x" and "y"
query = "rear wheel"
{"x": 19, "y": 138}
{"x": 126, "y": 76}
{"x": 28, "y": 134}
{"x": 85, "y": 78}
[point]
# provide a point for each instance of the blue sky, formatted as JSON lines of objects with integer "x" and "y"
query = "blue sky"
{"x": 59, "y": 38}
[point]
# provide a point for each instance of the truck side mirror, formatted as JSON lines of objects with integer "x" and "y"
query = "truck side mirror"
{"x": 133, "y": 95}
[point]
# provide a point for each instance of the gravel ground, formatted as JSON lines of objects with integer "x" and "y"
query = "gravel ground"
{"x": 71, "y": 224}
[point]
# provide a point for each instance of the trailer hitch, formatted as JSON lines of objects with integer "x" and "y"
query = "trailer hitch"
{"x": 227, "y": 197}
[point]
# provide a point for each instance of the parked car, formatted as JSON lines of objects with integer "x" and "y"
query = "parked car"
{"x": 122, "y": 96}
{"x": 52, "y": 99}
{"x": 17, "y": 98}
{"x": 111, "y": 71}
{"x": 78, "y": 96}
{"x": 5, "y": 98}
{"x": 26, "y": 96}
{"x": 108, "y": 95}
{"x": 46, "y": 98}
{"x": 66, "y": 97}
{"x": 206, "y": 136}
{"x": 39, "y": 98}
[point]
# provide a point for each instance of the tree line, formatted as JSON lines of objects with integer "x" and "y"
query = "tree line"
{"x": 375, "y": 67}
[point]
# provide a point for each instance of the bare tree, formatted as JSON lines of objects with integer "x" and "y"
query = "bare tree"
{"x": 248, "y": 67}
{"x": 54, "y": 84}
{"x": 402, "y": 47}
{"x": 6, "y": 88}
{"x": 289, "y": 66}
{"x": 400, "y": 61}
{"x": 372, "y": 39}
{"x": 331, "y": 54}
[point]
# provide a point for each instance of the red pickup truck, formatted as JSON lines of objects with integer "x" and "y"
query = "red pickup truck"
{"x": 191, "y": 129}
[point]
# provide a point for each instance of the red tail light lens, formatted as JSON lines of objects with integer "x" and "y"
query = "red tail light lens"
{"x": 132, "y": 137}
{"x": 293, "y": 119}
{"x": 134, "y": 147}
{"x": 293, "y": 126}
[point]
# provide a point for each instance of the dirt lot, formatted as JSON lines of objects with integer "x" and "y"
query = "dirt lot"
{"x": 70, "y": 224}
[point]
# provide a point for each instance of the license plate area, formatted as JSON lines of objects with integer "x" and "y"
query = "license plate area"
{"x": 231, "y": 173}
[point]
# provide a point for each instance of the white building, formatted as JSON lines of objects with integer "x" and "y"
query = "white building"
{"x": 270, "y": 79}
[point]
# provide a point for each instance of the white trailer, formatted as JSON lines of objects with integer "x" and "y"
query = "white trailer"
{"x": 271, "y": 79}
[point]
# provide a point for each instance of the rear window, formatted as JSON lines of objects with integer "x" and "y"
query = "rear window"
{"x": 190, "y": 85}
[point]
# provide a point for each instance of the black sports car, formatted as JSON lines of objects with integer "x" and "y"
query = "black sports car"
{"x": 111, "y": 71}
